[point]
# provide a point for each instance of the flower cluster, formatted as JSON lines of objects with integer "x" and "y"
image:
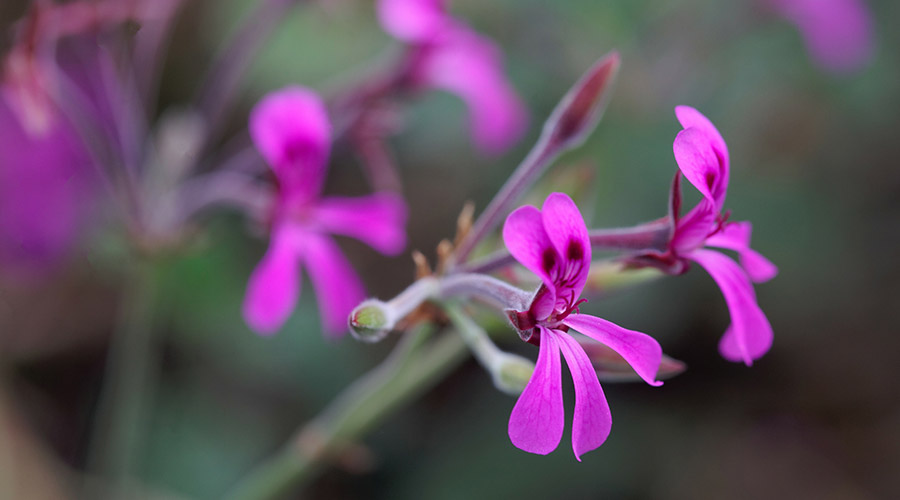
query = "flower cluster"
{"x": 292, "y": 131}
{"x": 703, "y": 159}
{"x": 452, "y": 57}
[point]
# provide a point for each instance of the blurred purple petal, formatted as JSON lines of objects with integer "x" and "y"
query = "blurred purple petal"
{"x": 338, "y": 288}
{"x": 412, "y": 20}
{"x": 274, "y": 286}
{"x": 471, "y": 66}
{"x": 837, "y": 33}
{"x": 44, "y": 187}
{"x": 291, "y": 129}
{"x": 379, "y": 220}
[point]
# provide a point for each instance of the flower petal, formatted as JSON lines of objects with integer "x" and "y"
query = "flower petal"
{"x": 565, "y": 227}
{"x": 837, "y": 33}
{"x": 689, "y": 117}
{"x": 290, "y": 127}
{"x": 750, "y": 334}
{"x": 537, "y": 421}
{"x": 736, "y": 236}
{"x": 640, "y": 350}
{"x": 592, "y": 421}
{"x": 692, "y": 229}
{"x": 274, "y": 286}
{"x": 338, "y": 288}
{"x": 697, "y": 160}
{"x": 527, "y": 241}
{"x": 379, "y": 220}
{"x": 466, "y": 64}
{"x": 412, "y": 20}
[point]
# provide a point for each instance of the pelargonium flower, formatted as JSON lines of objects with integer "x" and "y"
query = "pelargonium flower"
{"x": 43, "y": 191}
{"x": 292, "y": 131}
{"x": 455, "y": 58}
{"x": 553, "y": 243}
{"x": 702, "y": 158}
{"x": 837, "y": 33}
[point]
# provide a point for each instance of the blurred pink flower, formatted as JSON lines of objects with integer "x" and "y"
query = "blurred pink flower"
{"x": 702, "y": 157}
{"x": 456, "y": 59}
{"x": 553, "y": 243}
{"x": 291, "y": 129}
{"x": 838, "y": 33}
{"x": 43, "y": 189}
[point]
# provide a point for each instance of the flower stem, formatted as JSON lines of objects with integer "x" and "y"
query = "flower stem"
{"x": 573, "y": 119}
{"x": 127, "y": 382}
{"x": 224, "y": 77}
{"x": 649, "y": 236}
{"x": 413, "y": 367}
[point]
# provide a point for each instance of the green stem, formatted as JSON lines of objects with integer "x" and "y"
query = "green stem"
{"x": 128, "y": 380}
{"x": 413, "y": 368}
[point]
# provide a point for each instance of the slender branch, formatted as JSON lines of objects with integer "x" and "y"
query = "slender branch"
{"x": 127, "y": 381}
{"x": 224, "y": 77}
{"x": 573, "y": 119}
{"x": 649, "y": 236}
{"x": 414, "y": 367}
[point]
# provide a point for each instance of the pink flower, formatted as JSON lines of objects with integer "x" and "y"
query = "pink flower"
{"x": 43, "y": 191}
{"x": 553, "y": 243}
{"x": 838, "y": 33}
{"x": 702, "y": 157}
{"x": 456, "y": 59}
{"x": 292, "y": 131}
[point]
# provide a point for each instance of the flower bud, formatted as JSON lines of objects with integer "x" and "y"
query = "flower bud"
{"x": 370, "y": 321}
{"x": 511, "y": 373}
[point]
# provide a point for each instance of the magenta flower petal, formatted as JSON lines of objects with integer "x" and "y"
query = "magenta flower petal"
{"x": 291, "y": 129}
{"x": 689, "y": 117}
{"x": 567, "y": 231}
{"x": 470, "y": 66}
{"x": 274, "y": 286}
{"x": 692, "y": 229}
{"x": 378, "y": 220}
{"x": 45, "y": 190}
{"x": 697, "y": 161}
{"x": 750, "y": 335}
{"x": 537, "y": 421}
{"x": 837, "y": 33}
{"x": 592, "y": 421}
{"x": 527, "y": 241}
{"x": 338, "y": 288}
{"x": 640, "y": 350}
{"x": 412, "y": 20}
{"x": 736, "y": 236}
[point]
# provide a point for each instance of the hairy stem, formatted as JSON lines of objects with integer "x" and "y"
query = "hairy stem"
{"x": 653, "y": 236}
{"x": 413, "y": 367}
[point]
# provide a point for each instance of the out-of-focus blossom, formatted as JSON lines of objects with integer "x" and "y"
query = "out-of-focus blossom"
{"x": 43, "y": 185}
{"x": 291, "y": 129}
{"x": 702, "y": 158}
{"x": 553, "y": 243}
{"x": 837, "y": 33}
{"x": 455, "y": 58}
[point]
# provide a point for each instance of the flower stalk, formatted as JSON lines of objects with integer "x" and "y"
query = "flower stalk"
{"x": 413, "y": 367}
{"x": 573, "y": 119}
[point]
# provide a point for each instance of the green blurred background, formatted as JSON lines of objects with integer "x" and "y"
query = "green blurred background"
{"x": 815, "y": 167}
